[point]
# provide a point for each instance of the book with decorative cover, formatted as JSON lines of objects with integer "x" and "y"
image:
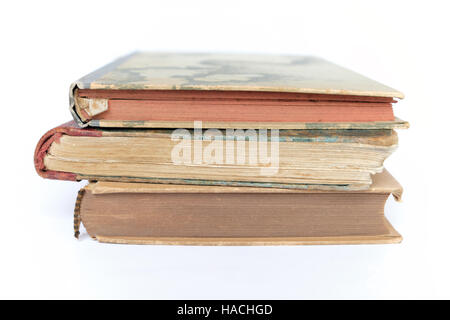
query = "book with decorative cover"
{"x": 171, "y": 90}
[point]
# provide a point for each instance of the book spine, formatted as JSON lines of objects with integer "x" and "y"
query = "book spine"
{"x": 53, "y": 136}
{"x": 72, "y": 106}
{"x": 76, "y": 213}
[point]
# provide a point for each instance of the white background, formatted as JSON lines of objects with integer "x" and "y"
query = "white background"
{"x": 46, "y": 45}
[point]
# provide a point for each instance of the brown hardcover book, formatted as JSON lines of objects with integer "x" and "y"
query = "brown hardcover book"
{"x": 139, "y": 213}
{"x": 171, "y": 90}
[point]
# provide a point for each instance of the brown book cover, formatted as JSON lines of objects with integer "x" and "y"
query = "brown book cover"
{"x": 137, "y": 213}
{"x": 171, "y": 90}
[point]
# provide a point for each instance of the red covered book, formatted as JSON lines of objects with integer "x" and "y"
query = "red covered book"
{"x": 296, "y": 159}
{"x": 228, "y": 91}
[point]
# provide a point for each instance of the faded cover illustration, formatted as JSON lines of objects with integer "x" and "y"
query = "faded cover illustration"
{"x": 229, "y": 72}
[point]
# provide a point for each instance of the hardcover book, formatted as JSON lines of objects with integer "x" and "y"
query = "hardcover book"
{"x": 171, "y": 90}
{"x": 139, "y": 213}
{"x": 298, "y": 159}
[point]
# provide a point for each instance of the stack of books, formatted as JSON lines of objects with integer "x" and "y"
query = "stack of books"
{"x": 227, "y": 149}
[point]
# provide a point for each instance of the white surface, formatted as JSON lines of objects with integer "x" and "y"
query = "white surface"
{"x": 47, "y": 45}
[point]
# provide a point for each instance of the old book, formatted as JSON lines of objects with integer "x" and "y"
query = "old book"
{"x": 299, "y": 159}
{"x": 171, "y": 90}
{"x": 139, "y": 213}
